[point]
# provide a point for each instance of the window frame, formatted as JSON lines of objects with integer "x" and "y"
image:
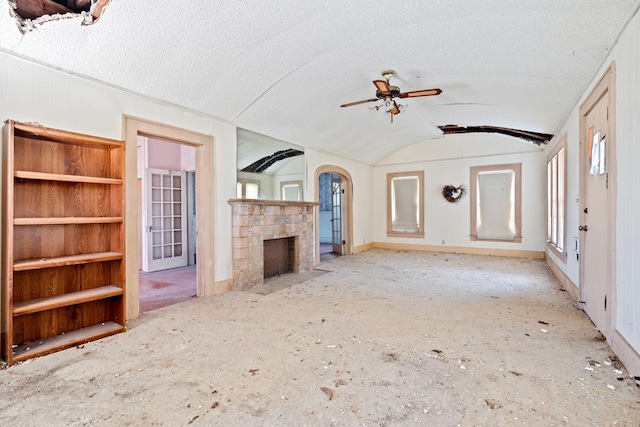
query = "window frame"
{"x": 473, "y": 191}
{"x": 560, "y": 213}
{"x": 420, "y": 232}
{"x": 297, "y": 183}
{"x": 244, "y": 183}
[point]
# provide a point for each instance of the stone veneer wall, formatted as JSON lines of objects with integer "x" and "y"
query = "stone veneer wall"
{"x": 255, "y": 221}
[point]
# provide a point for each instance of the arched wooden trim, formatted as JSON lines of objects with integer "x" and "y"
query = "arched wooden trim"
{"x": 348, "y": 207}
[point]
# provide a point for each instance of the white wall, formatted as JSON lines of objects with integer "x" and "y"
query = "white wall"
{"x": 628, "y": 180}
{"x": 362, "y": 190}
{"x": 447, "y": 161}
{"x": 626, "y": 53}
{"x": 31, "y": 92}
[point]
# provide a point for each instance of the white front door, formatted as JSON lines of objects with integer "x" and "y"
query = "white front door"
{"x": 166, "y": 220}
{"x": 597, "y": 170}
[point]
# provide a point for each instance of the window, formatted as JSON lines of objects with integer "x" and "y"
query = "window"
{"x": 405, "y": 204}
{"x": 496, "y": 202}
{"x": 247, "y": 189}
{"x": 291, "y": 190}
{"x": 556, "y": 190}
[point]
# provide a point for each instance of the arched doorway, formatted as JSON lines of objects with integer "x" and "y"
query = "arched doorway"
{"x": 334, "y": 213}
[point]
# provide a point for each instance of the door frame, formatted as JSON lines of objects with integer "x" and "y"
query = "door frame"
{"x": 604, "y": 87}
{"x": 205, "y": 270}
{"x": 347, "y": 208}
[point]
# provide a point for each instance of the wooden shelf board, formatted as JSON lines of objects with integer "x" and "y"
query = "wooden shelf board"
{"x": 36, "y": 264}
{"x": 66, "y": 178}
{"x": 72, "y": 298}
{"x": 79, "y": 336}
{"x": 66, "y": 137}
{"x": 68, "y": 220}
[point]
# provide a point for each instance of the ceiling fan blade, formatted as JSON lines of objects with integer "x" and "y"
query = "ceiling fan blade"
{"x": 359, "y": 102}
{"x": 382, "y": 86}
{"x": 415, "y": 93}
{"x": 394, "y": 109}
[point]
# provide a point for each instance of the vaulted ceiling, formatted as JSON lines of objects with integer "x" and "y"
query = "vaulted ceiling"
{"x": 283, "y": 68}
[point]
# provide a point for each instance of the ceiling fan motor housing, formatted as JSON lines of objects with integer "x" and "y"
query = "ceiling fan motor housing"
{"x": 393, "y": 93}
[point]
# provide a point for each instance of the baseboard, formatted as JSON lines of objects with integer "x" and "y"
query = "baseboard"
{"x": 218, "y": 288}
{"x": 566, "y": 283}
{"x": 362, "y": 248}
{"x": 461, "y": 250}
{"x": 626, "y": 353}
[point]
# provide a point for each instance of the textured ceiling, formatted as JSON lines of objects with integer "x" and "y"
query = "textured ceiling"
{"x": 282, "y": 68}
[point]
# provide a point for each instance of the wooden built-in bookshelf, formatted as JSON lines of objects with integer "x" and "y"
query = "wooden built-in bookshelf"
{"x": 63, "y": 275}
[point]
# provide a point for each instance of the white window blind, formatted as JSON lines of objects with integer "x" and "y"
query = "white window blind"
{"x": 291, "y": 192}
{"x": 405, "y": 204}
{"x": 495, "y": 218}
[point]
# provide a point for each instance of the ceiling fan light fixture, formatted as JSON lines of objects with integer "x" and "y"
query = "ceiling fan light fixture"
{"x": 388, "y": 95}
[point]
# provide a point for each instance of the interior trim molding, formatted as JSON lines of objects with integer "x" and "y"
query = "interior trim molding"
{"x": 567, "y": 284}
{"x": 219, "y": 288}
{"x": 461, "y": 250}
{"x": 363, "y": 248}
{"x": 204, "y": 146}
{"x": 626, "y": 353}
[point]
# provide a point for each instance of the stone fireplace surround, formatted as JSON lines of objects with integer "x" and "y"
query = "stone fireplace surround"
{"x": 254, "y": 221}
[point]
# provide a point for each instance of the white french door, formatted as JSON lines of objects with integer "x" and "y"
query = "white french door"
{"x": 166, "y": 220}
{"x": 336, "y": 215}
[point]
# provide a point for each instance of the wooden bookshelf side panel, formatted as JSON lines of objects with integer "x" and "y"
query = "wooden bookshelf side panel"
{"x": 6, "y": 318}
{"x": 44, "y": 199}
{"x": 51, "y": 282}
{"x": 39, "y": 155}
{"x": 50, "y": 241}
{"x": 47, "y": 324}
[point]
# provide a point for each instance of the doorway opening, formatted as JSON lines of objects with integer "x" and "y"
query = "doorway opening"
{"x": 334, "y": 234}
{"x": 204, "y": 212}
{"x": 167, "y": 218}
{"x": 330, "y": 218}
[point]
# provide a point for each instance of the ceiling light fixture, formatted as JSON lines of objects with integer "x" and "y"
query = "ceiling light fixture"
{"x": 389, "y": 106}
{"x": 386, "y": 93}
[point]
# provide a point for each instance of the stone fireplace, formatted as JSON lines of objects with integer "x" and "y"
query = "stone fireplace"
{"x": 286, "y": 227}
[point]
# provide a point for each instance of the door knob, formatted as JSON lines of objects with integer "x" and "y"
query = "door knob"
{"x": 582, "y": 228}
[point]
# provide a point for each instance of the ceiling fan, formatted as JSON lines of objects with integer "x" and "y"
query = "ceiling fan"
{"x": 386, "y": 93}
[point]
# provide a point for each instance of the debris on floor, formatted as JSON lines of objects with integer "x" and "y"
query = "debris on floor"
{"x": 328, "y": 391}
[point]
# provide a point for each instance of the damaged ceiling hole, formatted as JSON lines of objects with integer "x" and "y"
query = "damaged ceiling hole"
{"x": 28, "y": 12}
{"x": 533, "y": 137}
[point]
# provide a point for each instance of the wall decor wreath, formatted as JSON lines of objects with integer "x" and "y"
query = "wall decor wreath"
{"x": 453, "y": 194}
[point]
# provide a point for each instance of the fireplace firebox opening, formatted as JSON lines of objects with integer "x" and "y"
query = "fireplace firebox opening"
{"x": 279, "y": 256}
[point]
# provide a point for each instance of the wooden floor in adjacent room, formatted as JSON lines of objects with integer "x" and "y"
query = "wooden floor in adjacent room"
{"x": 166, "y": 287}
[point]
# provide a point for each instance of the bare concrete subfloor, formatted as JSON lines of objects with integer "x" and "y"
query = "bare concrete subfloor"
{"x": 384, "y": 338}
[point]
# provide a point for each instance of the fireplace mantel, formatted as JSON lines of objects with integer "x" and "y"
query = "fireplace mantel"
{"x": 257, "y": 220}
